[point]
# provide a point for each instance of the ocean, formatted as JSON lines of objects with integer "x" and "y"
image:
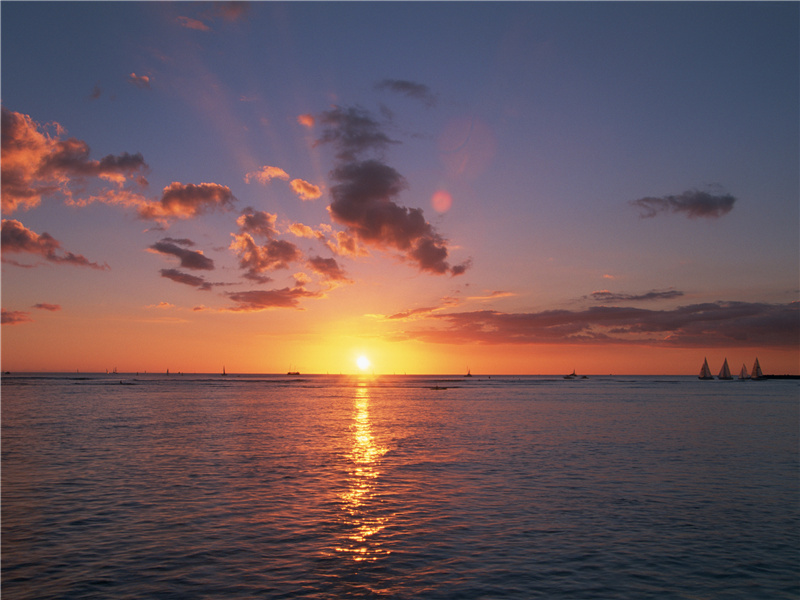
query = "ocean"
{"x": 409, "y": 487}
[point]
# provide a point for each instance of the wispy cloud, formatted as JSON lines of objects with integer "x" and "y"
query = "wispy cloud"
{"x": 411, "y": 89}
{"x": 365, "y": 191}
{"x": 46, "y": 306}
{"x": 607, "y": 296}
{"x": 14, "y": 317}
{"x": 717, "y": 324}
{"x": 18, "y": 239}
{"x": 256, "y": 300}
{"x": 36, "y": 163}
{"x": 140, "y": 81}
{"x": 328, "y": 268}
{"x": 189, "y": 259}
{"x": 190, "y": 23}
{"x": 186, "y": 279}
{"x": 265, "y": 174}
{"x": 692, "y": 203}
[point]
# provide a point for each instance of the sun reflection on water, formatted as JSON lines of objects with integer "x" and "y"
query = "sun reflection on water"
{"x": 363, "y": 520}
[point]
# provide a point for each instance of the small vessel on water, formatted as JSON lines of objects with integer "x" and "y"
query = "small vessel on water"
{"x": 705, "y": 372}
{"x": 725, "y": 372}
{"x": 223, "y": 371}
{"x": 572, "y": 375}
{"x": 756, "y": 372}
{"x": 469, "y": 373}
{"x": 743, "y": 374}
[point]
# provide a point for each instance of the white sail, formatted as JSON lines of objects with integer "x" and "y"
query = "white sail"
{"x": 725, "y": 372}
{"x": 756, "y": 372}
{"x": 705, "y": 372}
{"x": 743, "y": 373}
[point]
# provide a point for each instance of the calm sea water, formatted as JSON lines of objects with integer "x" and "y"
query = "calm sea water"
{"x": 389, "y": 487}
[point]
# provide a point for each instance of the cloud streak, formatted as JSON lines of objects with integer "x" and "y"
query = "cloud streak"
{"x": 607, "y": 296}
{"x": 18, "y": 239}
{"x": 189, "y": 259}
{"x": 715, "y": 324}
{"x": 257, "y": 300}
{"x": 14, "y": 317}
{"x": 692, "y": 203}
{"x": 186, "y": 279}
{"x": 411, "y": 89}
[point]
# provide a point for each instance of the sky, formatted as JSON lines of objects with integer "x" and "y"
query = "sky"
{"x": 510, "y": 188}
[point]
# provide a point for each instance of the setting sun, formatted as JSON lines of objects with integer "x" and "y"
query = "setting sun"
{"x": 363, "y": 363}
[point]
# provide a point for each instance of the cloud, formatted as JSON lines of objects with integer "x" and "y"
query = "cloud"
{"x": 494, "y": 295}
{"x": 305, "y": 190}
{"x": 232, "y": 10}
{"x": 37, "y": 164}
{"x": 257, "y": 223}
{"x": 18, "y": 239}
{"x": 693, "y": 203}
{"x": 255, "y": 260}
{"x": 607, "y": 296}
{"x": 304, "y": 231}
{"x": 190, "y": 259}
{"x": 362, "y": 202}
{"x": 418, "y": 91}
{"x": 328, "y": 268}
{"x": 266, "y": 174}
{"x": 140, "y": 81}
{"x": 45, "y": 306}
{"x": 96, "y": 92}
{"x": 187, "y": 200}
{"x": 363, "y": 197}
{"x": 715, "y": 324}
{"x": 353, "y": 131}
{"x": 186, "y": 279}
{"x": 256, "y": 300}
{"x": 14, "y": 317}
{"x": 306, "y": 120}
{"x": 190, "y": 23}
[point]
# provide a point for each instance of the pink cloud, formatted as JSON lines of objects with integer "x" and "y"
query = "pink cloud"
{"x": 258, "y": 223}
{"x": 190, "y": 23}
{"x": 140, "y": 81}
{"x": 266, "y": 174}
{"x": 306, "y": 120}
{"x": 46, "y": 306}
{"x": 305, "y": 190}
{"x": 328, "y": 268}
{"x": 255, "y": 260}
{"x": 37, "y": 164}
{"x": 18, "y": 239}
{"x": 187, "y": 200}
{"x": 256, "y": 300}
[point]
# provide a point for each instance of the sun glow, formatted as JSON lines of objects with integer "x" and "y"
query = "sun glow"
{"x": 363, "y": 363}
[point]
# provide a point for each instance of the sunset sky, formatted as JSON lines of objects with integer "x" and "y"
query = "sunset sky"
{"x": 522, "y": 187}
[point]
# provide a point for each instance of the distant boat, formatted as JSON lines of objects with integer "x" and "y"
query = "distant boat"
{"x": 725, "y": 372}
{"x": 223, "y": 371}
{"x": 293, "y": 373}
{"x": 705, "y": 372}
{"x": 469, "y": 373}
{"x": 571, "y": 375}
{"x": 756, "y": 372}
{"x": 743, "y": 374}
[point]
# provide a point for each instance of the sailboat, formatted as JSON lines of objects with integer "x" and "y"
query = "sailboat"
{"x": 572, "y": 375}
{"x": 469, "y": 373}
{"x": 756, "y": 372}
{"x": 725, "y": 372}
{"x": 743, "y": 374}
{"x": 223, "y": 370}
{"x": 705, "y": 372}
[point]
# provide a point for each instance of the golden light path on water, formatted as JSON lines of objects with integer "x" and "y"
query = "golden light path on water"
{"x": 358, "y": 498}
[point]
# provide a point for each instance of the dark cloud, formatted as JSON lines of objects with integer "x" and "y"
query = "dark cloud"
{"x": 418, "y": 91}
{"x": 187, "y": 200}
{"x": 45, "y": 306}
{"x": 186, "y": 279}
{"x": 607, "y": 296}
{"x": 328, "y": 268}
{"x": 716, "y": 324}
{"x": 37, "y": 164}
{"x": 352, "y": 131}
{"x": 190, "y": 259}
{"x": 258, "y": 223}
{"x": 190, "y": 23}
{"x": 18, "y": 239}
{"x": 256, "y": 300}
{"x": 362, "y": 201}
{"x": 14, "y": 317}
{"x": 693, "y": 203}
{"x": 255, "y": 260}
